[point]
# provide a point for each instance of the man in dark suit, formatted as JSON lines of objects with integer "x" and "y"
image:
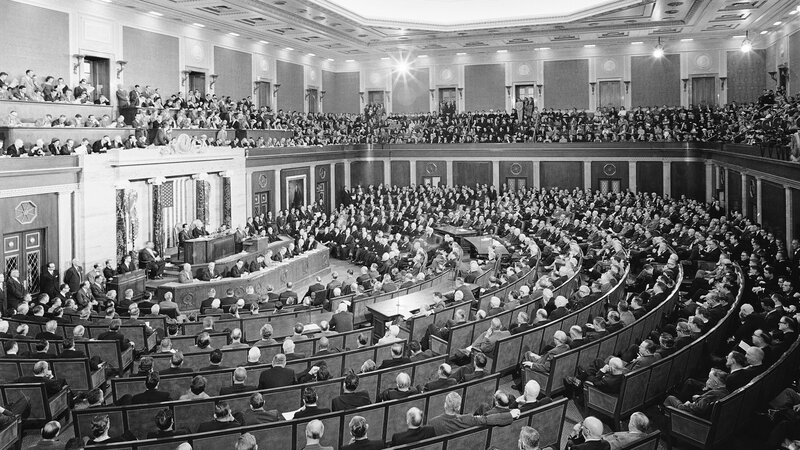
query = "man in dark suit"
{"x": 151, "y": 393}
{"x": 74, "y": 276}
{"x": 286, "y": 294}
{"x": 278, "y": 375}
{"x": 397, "y": 358}
{"x": 98, "y": 292}
{"x": 358, "y": 429}
{"x": 183, "y": 235}
{"x": 15, "y": 291}
{"x": 175, "y": 365}
{"x": 150, "y": 260}
{"x": 310, "y": 407}
{"x": 43, "y": 374}
{"x": 257, "y": 413}
{"x": 206, "y": 304}
{"x": 223, "y": 419}
{"x": 239, "y": 383}
{"x": 126, "y": 265}
{"x": 416, "y": 432}
{"x": 69, "y": 350}
{"x": 316, "y": 287}
{"x": 443, "y": 380}
{"x": 49, "y": 280}
{"x": 113, "y": 334}
{"x": 108, "y": 271}
{"x": 342, "y": 321}
{"x": 238, "y": 270}
{"x": 351, "y": 398}
{"x": 209, "y": 273}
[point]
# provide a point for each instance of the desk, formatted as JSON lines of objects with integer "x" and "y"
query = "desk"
{"x": 481, "y": 245}
{"x": 132, "y": 280}
{"x": 225, "y": 264}
{"x": 459, "y": 234}
{"x": 261, "y": 244}
{"x": 209, "y": 248}
{"x": 189, "y": 295}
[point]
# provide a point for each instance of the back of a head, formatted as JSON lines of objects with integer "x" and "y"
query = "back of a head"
{"x": 351, "y": 381}
{"x": 279, "y": 360}
{"x": 246, "y": 442}
{"x": 152, "y": 380}
{"x": 397, "y": 350}
{"x": 315, "y": 429}
{"x": 639, "y": 422}
{"x": 51, "y": 429}
{"x": 358, "y": 427}
{"x": 414, "y": 417}
{"x": 532, "y": 390}
{"x": 593, "y": 427}
{"x": 221, "y": 409}
{"x": 164, "y": 419}
{"x": 452, "y": 403}
{"x": 403, "y": 380}
{"x": 528, "y": 439}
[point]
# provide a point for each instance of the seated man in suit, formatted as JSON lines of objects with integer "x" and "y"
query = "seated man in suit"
{"x": 238, "y": 270}
{"x": 126, "y": 265}
{"x": 257, "y": 413}
{"x": 351, "y": 398}
{"x": 314, "y": 431}
{"x": 403, "y": 389}
{"x": 175, "y": 363}
{"x": 209, "y": 272}
{"x": 185, "y": 275}
{"x": 541, "y": 363}
{"x": 700, "y": 405}
{"x": 165, "y": 422}
{"x": 278, "y": 375}
{"x": 284, "y": 296}
{"x": 588, "y": 435}
{"x": 530, "y": 397}
{"x": 358, "y": 429}
{"x": 310, "y": 407}
{"x": 416, "y": 432}
{"x": 451, "y": 421}
{"x": 113, "y": 334}
{"x": 638, "y": 428}
{"x": 485, "y": 343}
{"x": 151, "y": 393}
{"x": 239, "y": 383}
{"x": 223, "y": 419}
{"x": 150, "y": 260}
{"x": 397, "y": 357}
{"x": 43, "y": 374}
{"x": 443, "y": 380}
{"x": 69, "y": 351}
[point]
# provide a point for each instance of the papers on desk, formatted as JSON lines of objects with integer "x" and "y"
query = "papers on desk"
{"x": 744, "y": 346}
{"x": 311, "y": 328}
{"x": 289, "y": 415}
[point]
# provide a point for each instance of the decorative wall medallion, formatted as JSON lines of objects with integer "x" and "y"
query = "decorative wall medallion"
{"x": 322, "y": 173}
{"x": 312, "y": 75}
{"x": 26, "y": 212}
{"x": 609, "y": 65}
{"x": 609, "y": 169}
{"x": 447, "y": 75}
{"x": 375, "y": 78}
{"x": 263, "y": 180}
{"x": 188, "y": 301}
{"x": 264, "y": 65}
{"x": 703, "y": 62}
{"x": 516, "y": 168}
{"x": 524, "y": 70}
{"x": 197, "y": 53}
{"x": 431, "y": 168}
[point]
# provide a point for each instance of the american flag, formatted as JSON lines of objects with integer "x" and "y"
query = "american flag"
{"x": 173, "y": 203}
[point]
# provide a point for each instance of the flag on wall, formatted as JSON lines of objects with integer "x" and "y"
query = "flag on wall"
{"x": 172, "y": 203}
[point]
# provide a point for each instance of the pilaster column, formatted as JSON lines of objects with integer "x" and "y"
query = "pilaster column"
{"x": 347, "y": 178}
{"x": 667, "y": 187}
{"x": 789, "y": 215}
{"x": 227, "y": 199}
{"x": 587, "y": 175}
{"x": 387, "y": 172}
{"x": 745, "y": 211}
{"x": 709, "y": 181}
{"x": 332, "y": 172}
{"x": 312, "y": 184}
{"x": 449, "y": 172}
{"x": 727, "y": 190}
{"x": 277, "y": 194}
{"x": 537, "y": 177}
{"x": 496, "y": 174}
{"x": 632, "y": 176}
{"x": 758, "y": 200}
{"x": 412, "y": 171}
{"x": 65, "y": 230}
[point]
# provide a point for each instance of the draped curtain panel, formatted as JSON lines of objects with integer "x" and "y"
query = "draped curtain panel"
{"x": 656, "y": 81}
{"x": 121, "y": 229}
{"x": 566, "y": 84}
{"x": 158, "y": 218}
{"x": 484, "y": 87}
{"x": 226, "y": 201}
{"x": 235, "y": 70}
{"x": 794, "y": 63}
{"x": 35, "y": 38}
{"x": 290, "y": 94}
{"x": 203, "y": 191}
{"x": 747, "y": 75}
{"x": 142, "y": 49}
{"x": 410, "y": 91}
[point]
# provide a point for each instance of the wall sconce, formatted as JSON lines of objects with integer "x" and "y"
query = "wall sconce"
{"x": 627, "y": 85}
{"x": 226, "y": 174}
{"x": 461, "y": 93}
{"x": 722, "y": 82}
{"x": 592, "y": 84}
{"x": 121, "y": 68}
{"x": 321, "y": 95}
{"x": 431, "y": 91}
{"x": 539, "y": 87}
{"x": 213, "y": 77}
{"x": 184, "y": 77}
{"x": 255, "y": 87}
{"x": 202, "y": 176}
{"x": 772, "y": 75}
{"x": 388, "y": 98}
{"x": 508, "y": 90}
{"x": 685, "y": 83}
{"x": 277, "y": 87}
{"x": 158, "y": 181}
{"x": 361, "y": 94}
{"x": 308, "y": 92}
{"x": 79, "y": 61}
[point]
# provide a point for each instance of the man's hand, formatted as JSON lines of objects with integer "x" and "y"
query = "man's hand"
{"x": 514, "y": 413}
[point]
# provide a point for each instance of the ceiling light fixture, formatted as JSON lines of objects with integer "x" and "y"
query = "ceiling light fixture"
{"x": 422, "y": 56}
{"x": 349, "y": 60}
{"x": 764, "y": 32}
{"x": 777, "y": 23}
{"x": 156, "y": 13}
{"x": 637, "y": 43}
{"x": 331, "y": 59}
{"x": 658, "y": 51}
{"x": 289, "y": 48}
{"x": 502, "y": 51}
{"x": 385, "y": 58}
{"x": 542, "y": 49}
{"x": 199, "y": 25}
{"x": 460, "y": 54}
{"x": 234, "y": 34}
{"x": 264, "y": 42}
{"x": 687, "y": 40}
{"x": 589, "y": 46}
{"x": 311, "y": 54}
{"x": 746, "y": 44}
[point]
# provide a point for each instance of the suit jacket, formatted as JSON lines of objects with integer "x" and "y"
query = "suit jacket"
{"x": 394, "y": 362}
{"x": 342, "y": 322}
{"x": 311, "y": 411}
{"x": 73, "y": 277}
{"x": 365, "y": 444}
{"x": 592, "y": 445}
{"x": 350, "y": 400}
{"x": 441, "y": 383}
{"x": 276, "y": 377}
{"x": 702, "y": 406}
{"x": 49, "y": 283}
{"x": 622, "y": 439}
{"x": 125, "y": 268}
{"x": 72, "y": 354}
{"x": 446, "y": 424}
{"x": 317, "y": 447}
{"x": 415, "y": 435}
{"x": 487, "y": 345}
{"x": 543, "y": 364}
{"x": 151, "y": 396}
{"x": 236, "y": 272}
{"x": 122, "y": 341}
{"x": 15, "y": 292}
{"x": 261, "y": 416}
{"x": 185, "y": 277}
{"x": 52, "y": 385}
{"x": 235, "y": 389}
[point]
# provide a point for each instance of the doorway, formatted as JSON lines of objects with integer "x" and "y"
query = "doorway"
{"x": 263, "y": 98}
{"x": 610, "y": 185}
{"x": 261, "y": 203}
{"x": 25, "y": 252}
{"x": 375, "y": 97}
{"x": 197, "y": 82}
{"x": 704, "y": 91}
{"x": 447, "y": 100}
{"x": 313, "y": 103}
{"x": 516, "y": 183}
{"x": 610, "y": 94}
{"x": 524, "y": 91}
{"x": 431, "y": 181}
{"x": 97, "y": 74}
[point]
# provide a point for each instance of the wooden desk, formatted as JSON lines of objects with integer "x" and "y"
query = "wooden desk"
{"x": 261, "y": 244}
{"x": 189, "y": 295}
{"x": 456, "y": 232}
{"x": 209, "y": 248}
{"x": 481, "y": 245}
{"x": 132, "y": 280}
{"x": 225, "y": 264}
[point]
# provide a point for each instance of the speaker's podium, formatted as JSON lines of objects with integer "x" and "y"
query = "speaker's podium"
{"x": 132, "y": 280}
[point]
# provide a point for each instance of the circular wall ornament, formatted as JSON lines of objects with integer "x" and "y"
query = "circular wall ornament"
{"x": 188, "y": 301}
{"x": 524, "y": 69}
{"x": 322, "y": 173}
{"x": 703, "y": 62}
{"x": 609, "y": 65}
{"x": 447, "y": 74}
{"x": 263, "y": 180}
{"x": 26, "y": 212}
{"x": 516, "y": 168}
{"x": 430, "y": 168}
{"x": 609, "y": 169}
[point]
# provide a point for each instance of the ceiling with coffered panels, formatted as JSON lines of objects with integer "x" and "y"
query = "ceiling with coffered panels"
{"x": 358, "y": 30}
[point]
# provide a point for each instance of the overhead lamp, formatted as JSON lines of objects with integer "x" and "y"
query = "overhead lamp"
{"x": 777, "y": 23}
{"x": 746, "y": 44}
{"x": 658, "y": 51}
{"x": 502, "y": 51}
{"x": 234, "y": 34}
{"x": 687, "y": 40}
{"x": 422, "y": 56}
{"x": 461, "y": 53}
{"x": 263, "y": 42}
{"x": 764, "y": 32}
{"x": 637, "y": 43}
{"x": 156, "y": 13}
{"x": 199, "y": 25}
{"x": 589, "y": 46}
{"x": 331, "y": 59}
{"x": 311, "y": 54}
{"x": 349, "y": 60}
{"x": 289, "y": 48}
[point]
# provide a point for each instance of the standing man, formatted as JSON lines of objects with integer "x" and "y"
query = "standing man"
{"x": 74, "y": 277}
{"x": 151, "y": 261}
{"x": 50, "y": 280}
{"x": 15, "y": 291}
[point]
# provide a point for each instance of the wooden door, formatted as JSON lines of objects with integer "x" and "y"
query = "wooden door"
{"x": 704, "y": 91}
{"x": 197, "y": 82}
{"x": 24, "y": 251}
{"x": 610, "y": 94}
{"x": 263, "y": 94}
